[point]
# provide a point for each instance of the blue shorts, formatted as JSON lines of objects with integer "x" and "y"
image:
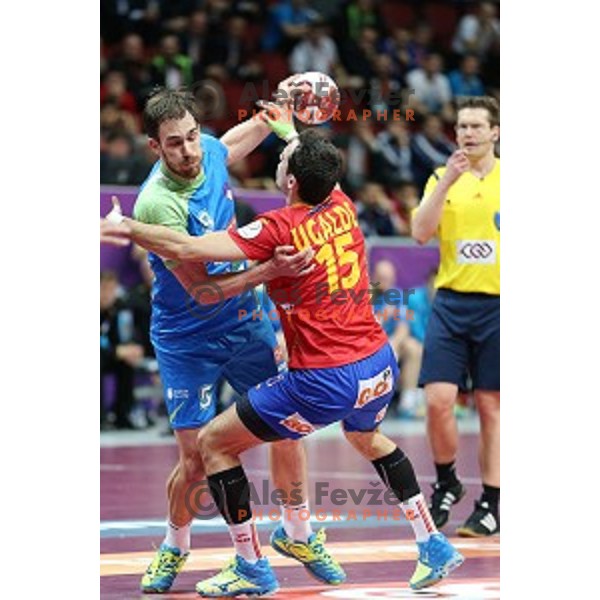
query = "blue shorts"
{"x": 245, "y": 356}
{"x": 463, "y": 336}
{"x": 297, "y": 402}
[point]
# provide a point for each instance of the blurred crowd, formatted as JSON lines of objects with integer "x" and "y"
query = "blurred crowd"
{"x": 233, "y": 52}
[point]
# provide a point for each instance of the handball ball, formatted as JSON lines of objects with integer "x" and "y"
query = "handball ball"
{"x": 316, "y": 97}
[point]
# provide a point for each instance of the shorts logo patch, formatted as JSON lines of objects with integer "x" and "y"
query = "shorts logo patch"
{"x": 298, "y": 424}
{"x": 476, "y": 252}
{"x": 376, "y": 387}
{"x": 250, "y": 231}
{"x": 381, "y": 414}
{"x": 205, "y": 396}
{"x": 175, "y": 394}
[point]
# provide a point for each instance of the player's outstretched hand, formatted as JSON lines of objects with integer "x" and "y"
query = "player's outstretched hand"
{"x": 113, "y": 229}
{"x": 457, "y": 164}
{"x": 287, "y": 262}
{"x": 112, "y": 233}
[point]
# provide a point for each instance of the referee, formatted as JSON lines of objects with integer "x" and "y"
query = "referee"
{"x": 461, "y": 206}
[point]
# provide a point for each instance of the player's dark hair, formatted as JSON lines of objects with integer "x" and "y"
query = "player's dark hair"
{"x": 317, "y": 166}
{"x": 487, "y": 102}
{"x": 163, "y": 105}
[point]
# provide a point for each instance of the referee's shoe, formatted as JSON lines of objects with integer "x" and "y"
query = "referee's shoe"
{"x": 443, "y": 497}
{"x": 483, "y": 521}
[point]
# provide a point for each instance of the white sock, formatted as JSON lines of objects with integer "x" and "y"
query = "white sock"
{"x": 296, "y": 521}
{"x": 178, "y": 536}
{"x": 417, "y": 513}
{"x": 245, "y": 540}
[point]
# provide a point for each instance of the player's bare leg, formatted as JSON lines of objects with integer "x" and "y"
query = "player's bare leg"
{"x": 188, "y": 473}
{"x": 289, "y": 473}
{"x": 174, "y": 550}
{"x": 442, "y": 432}
{"x": 441, "y": 424}
{"x": 485, "y": 519}
{"x": 437, "y": 557}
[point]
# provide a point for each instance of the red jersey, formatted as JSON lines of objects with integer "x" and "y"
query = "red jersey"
{"x": 326, "y": 316}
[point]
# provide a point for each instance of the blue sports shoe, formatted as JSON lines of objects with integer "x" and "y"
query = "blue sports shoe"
{"x": 240, "y": 577}
{"x": 161, "y": 573}
{"x": 312, "y": 555}
{"x": 437, "y": 558}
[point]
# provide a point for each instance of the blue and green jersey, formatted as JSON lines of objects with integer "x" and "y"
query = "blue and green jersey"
{"x": 193, "y": 207}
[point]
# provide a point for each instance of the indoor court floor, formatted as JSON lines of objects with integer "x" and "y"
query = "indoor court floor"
{"x": 365, "y": 534}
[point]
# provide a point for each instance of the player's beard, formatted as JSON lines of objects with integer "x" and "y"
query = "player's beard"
{"x": 188, "y": 168}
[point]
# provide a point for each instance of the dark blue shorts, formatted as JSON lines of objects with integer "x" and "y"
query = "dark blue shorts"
{"x": 300, "y": 401}
{"x": 463, "y": 336}
{"x": 245, "y": 356}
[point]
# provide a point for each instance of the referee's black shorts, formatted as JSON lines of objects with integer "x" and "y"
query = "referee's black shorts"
{"x": 463, "y": 335}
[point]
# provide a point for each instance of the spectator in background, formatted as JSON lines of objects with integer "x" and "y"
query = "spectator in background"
{"x": 357, "y": 149}
{"x": 478, "y": 34}
{"x": 112, "y": 118}
{"x": 131, "y": 61}
{"x": 465, "y": 81}
{"x": 170, "y": 68}
{"x": 432, "y": 93}
{"x": 397, "y": 48}
{"x": 114, "y": 90}
{"x": 230, "y": 55}
{"x": 120, "y": 353}
{"x": 315, "y": 52}
{"x": 406, "y": 198}
{"x": 391, "y": 313}
{"x": 420, "y": 45}
{"x": 288, "y": 22}
{"x": 194, "y": 42}
{"x": 376, "y": 214}
{"x": 383, "y": 85}
{"x": 359, "y": 14}
{"x": 392, "y": 154}
{"x": 359, "y": 56}
{"x": 119, "y": 164}
{"x": 431, "y": 148}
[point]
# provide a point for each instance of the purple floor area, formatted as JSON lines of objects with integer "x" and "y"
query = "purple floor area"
{"x": 133, "y": 495}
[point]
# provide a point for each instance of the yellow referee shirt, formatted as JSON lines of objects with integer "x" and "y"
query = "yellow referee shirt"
{"x": 469, "y": 233}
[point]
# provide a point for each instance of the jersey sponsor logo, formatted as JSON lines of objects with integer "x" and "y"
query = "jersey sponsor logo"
{"x": 250, "y": 231}
{"x": 375, "y": 387}
{"x": 476, "y": 252}
{"x": 298, "y": 424}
